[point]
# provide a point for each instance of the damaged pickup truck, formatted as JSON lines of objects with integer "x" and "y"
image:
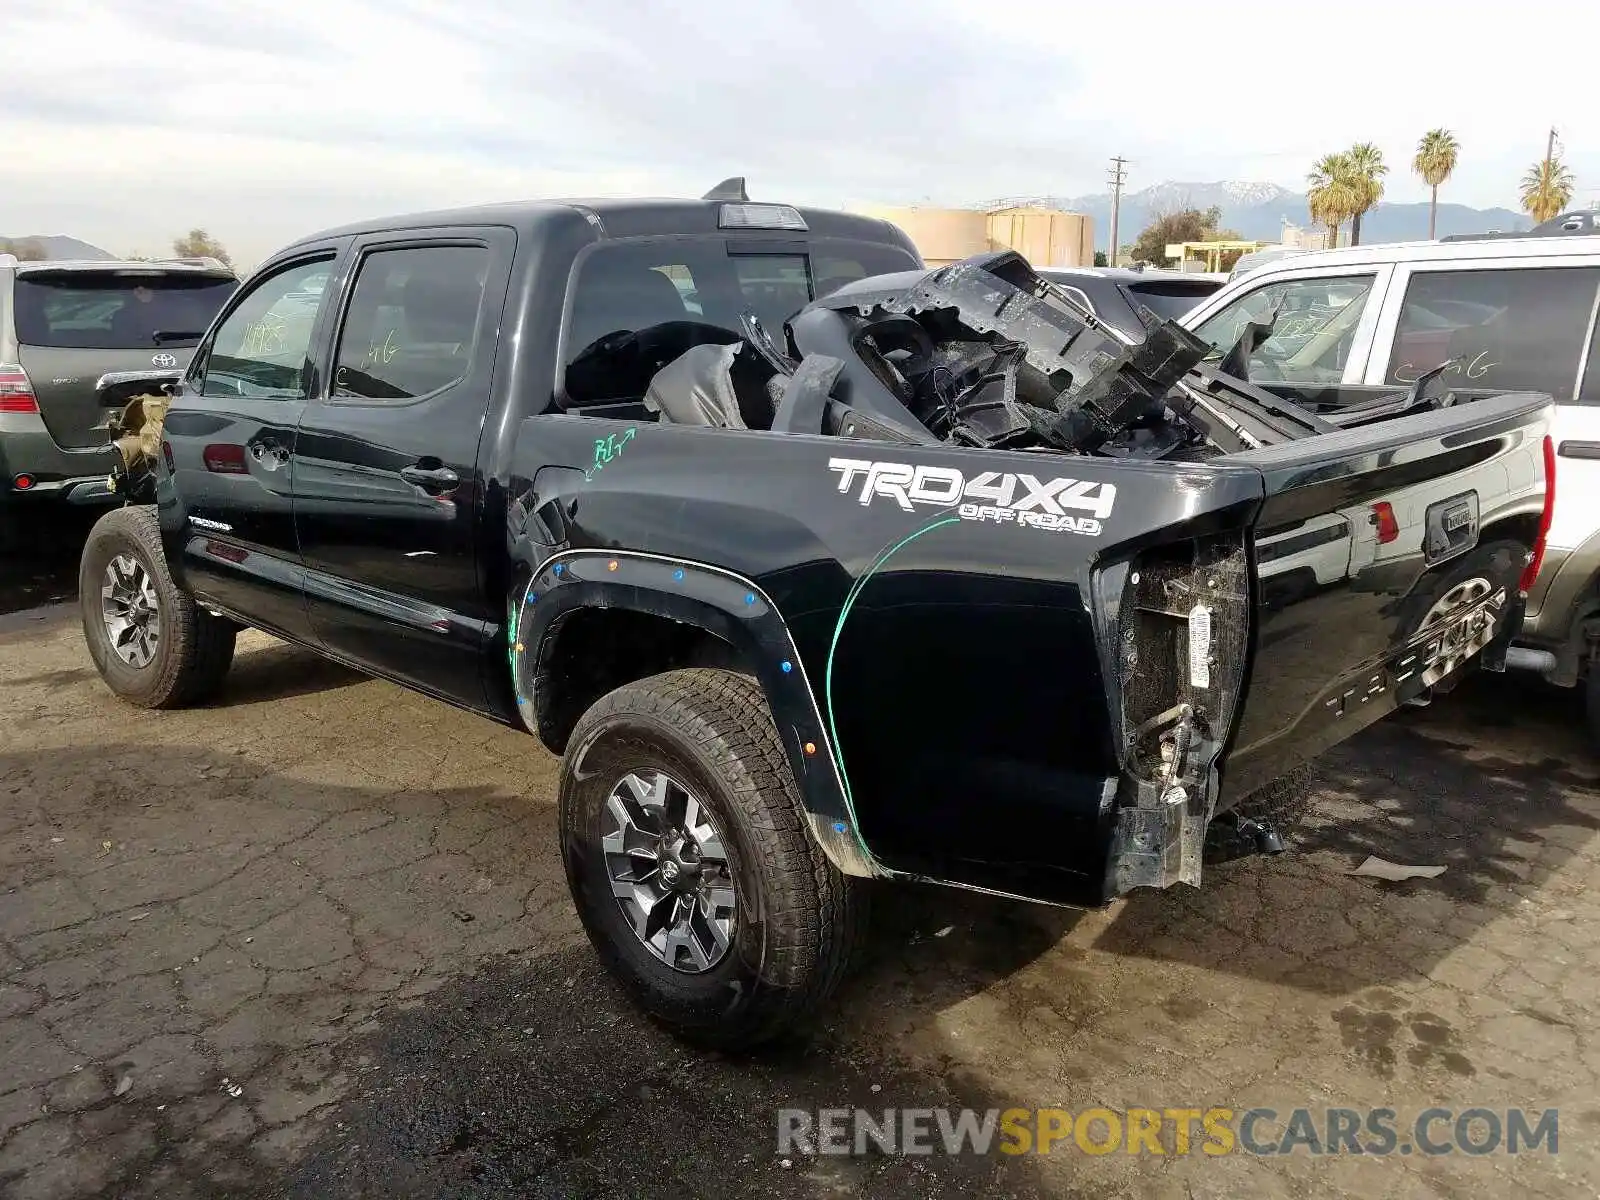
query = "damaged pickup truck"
{"x": 815, "y": 565}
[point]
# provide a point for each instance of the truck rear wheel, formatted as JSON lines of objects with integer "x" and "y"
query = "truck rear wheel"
{"x": 152, "y": 644}
{"x": 687, "y": 853}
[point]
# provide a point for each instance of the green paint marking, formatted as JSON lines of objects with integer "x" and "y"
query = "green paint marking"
{"x": 609, "y": 449}
{"x": 827, "y": 682}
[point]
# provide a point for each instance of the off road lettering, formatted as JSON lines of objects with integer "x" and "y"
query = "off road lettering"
{"x": 1002, "y": 498}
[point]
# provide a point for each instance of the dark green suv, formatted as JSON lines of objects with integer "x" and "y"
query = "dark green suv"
{"x": 62, "y": 326}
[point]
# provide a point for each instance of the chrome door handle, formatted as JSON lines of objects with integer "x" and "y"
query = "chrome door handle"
{"x": 431, "y": 479}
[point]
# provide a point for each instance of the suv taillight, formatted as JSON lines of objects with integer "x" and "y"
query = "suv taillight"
{"x": 16, "y": 393}
{"x": 1536, "y": 559}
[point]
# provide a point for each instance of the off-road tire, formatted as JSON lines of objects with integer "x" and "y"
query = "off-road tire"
{"x": 798, "y": 918}
{"x": 194, "y": 649}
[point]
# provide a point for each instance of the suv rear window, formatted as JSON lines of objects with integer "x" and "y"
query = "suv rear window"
{"x": 1170, "y": 298}
{"x": 672, "y": 294}
{"x": 105, "y": 310}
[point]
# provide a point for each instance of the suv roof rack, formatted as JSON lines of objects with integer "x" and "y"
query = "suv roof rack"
{"x": 1576, "y": 223}
{"x": 216, "y": 264}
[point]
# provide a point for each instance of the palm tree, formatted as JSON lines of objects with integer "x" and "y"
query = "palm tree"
{"x": 1546, "y": 189}
{"x": 1367, "y": 169}
{"x": 1332, "y": 199}
{"x": 1435, "y": 162}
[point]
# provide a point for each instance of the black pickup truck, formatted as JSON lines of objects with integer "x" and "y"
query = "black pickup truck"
{"x": 815, "y": 565}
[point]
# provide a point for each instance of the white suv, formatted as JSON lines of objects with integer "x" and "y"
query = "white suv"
{"x": 1508, "y": 314}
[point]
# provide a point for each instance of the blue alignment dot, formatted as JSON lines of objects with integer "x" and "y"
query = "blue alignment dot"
{"x": 533, "y": 595}
{"x": 749, "y": 597}
{"x": 787, "y": 666}
{"x": 560, "y": 567}
{"x": 678, "y": 574}
{"x": 839, "y": 826}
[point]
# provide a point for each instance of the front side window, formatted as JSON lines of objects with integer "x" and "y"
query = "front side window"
{"x": 1313, "y": 336}
{"x": 1518, "y": 329}
{"x": 411, "y": 323}
{"x": 262, "y": 350}
{"x": 636, "y": 306}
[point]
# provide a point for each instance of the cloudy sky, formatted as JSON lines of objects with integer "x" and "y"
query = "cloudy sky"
{"x": 125, "y": 121}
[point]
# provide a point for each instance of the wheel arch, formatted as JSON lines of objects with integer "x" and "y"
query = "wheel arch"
{"x": 586, "y": 621}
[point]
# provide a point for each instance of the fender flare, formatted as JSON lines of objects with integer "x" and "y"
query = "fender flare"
{"x": 725, "y": 604}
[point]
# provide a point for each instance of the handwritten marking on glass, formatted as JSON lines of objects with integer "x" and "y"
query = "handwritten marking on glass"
{"x": 1476, "y": 367}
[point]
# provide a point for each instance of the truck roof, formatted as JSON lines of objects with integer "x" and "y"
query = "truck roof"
{"x": 632, "y": 217}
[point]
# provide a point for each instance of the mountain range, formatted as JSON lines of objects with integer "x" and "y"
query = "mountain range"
{"x": 1258, "y": 211}
{"x": 57, "y": 246}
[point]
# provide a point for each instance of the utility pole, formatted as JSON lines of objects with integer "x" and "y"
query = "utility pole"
{"x": 1118, "y": 177}
{"x": 1549, "y": 151}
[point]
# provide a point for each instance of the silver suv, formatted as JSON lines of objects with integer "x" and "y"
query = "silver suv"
{"x": 1508, "y": 313}
{"x": 62, "y": 326}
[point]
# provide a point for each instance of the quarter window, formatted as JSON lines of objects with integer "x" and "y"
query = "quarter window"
{"x": 411, "y": 323}
{"x": 1313, "y": 336}
{"x": 263, "y": 347}
{"x": 1519, "y": 329}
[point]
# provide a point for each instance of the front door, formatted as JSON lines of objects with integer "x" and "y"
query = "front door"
{"x": 387, "y": 485}
{"x": 230, "y": 440}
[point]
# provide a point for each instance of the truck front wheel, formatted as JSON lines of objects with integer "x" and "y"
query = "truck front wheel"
{"x": 686, "y": 849}
{"x": 152, "y": 644}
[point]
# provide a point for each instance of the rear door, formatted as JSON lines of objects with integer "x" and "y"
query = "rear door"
{"x": 75, "y": 324}
{"x": 231, "y": 436}
{"x": 1511, "y": 324}
{"x": 388, "y": 489}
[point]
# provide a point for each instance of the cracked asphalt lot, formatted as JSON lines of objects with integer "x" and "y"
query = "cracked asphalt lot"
{"x": 314, "y": 941}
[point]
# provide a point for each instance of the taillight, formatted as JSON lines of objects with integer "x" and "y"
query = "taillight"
{"x": 16, "y": 393}
{"x": 1536, "y": 558}
{"x": 224, "y": 458}
{"x": 1383, "y": 520}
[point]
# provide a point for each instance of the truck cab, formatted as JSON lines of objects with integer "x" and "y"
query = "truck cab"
{"x": 354, "y": 406}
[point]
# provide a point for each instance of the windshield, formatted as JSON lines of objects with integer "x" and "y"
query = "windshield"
{"x": 104, "y": 310}
{"x": 1312, "y": 336}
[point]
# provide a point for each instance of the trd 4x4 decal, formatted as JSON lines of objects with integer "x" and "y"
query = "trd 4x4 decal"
{"x": 1004, "y": 498}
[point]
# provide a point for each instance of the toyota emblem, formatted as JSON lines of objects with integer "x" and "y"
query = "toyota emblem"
{"x": 164, "y": 359}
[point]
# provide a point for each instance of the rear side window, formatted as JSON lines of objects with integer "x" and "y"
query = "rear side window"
{"x": 107, "y": 310}
{"x": 411, "y": 323}
{"x": 1520, "y": 329}
{"x": 638, "y": 305}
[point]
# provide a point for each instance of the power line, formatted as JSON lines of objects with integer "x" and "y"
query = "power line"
{"x": 1118, "y": 178}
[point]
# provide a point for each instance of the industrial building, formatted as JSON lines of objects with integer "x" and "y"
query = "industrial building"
{"x": 1045, "y": 237}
